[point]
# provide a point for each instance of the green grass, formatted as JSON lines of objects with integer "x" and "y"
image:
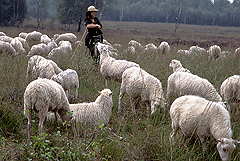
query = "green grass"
{"x": 143, "y": 138}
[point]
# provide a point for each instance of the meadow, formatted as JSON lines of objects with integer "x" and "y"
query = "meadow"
{"x": 143, "y": 138}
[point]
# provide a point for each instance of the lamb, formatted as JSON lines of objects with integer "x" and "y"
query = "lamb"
{"x": 177, "y": 66}
{"x": 38, "y": 66}
{"x": 6, "y": 48}
{"x": 183, "y": 83}
{"x": 17, "y": 45}
{"x": 237, "y": 53}
{"x": 138, "y": 83}
{"x": 6, "y": 39}
{"x": 39, "y": 49}
{"x": 43, "y": 96}
{"x": 45, "y": 39}
{"x": 214, "y": 52}
{"x": 111, "y": 68}
{"x": 230, "y": 90}
{"x": 67, "y": 79}
{"x": 164, "y": 48}
{"x": 66, "y": 37}
{"x": 97, "y": 112}
{"x": 200, "y": 118}
{"x": 33, "y": 38}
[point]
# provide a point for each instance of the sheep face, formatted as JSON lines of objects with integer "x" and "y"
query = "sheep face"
{"x": 65, "y": 115}
{"x": 225, "y": 147}
{"x": 101, "y": 47}
{"x": 175, "y": 64}
{"x": 57, "y": 79}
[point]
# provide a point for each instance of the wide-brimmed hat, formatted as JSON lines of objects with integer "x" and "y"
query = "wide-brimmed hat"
{"x": 92, "y": 9}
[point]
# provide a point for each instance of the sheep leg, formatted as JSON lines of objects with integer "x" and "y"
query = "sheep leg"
{"x": 66, "y": 91}
{"x": 29, "y": 117}
{"x": 122, "y": 93}
{"x": 174, "y": 132}
{"x": 132, "y": 100}
{"x": 147, "y": 105}
{"x": 76, "y": 92}
{"x": 106, "y": 83}
{"x": 42, "y": 116}
{"x": 204, "y": 146}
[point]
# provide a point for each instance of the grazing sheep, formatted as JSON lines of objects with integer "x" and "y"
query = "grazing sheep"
{"x": 97, "y": 112}
{"x": 6, "y": 48}
{"x": 45, "y": 39}
{"x": 214, "y": 52}
{"x": 137, "y": 83}
{"x": 183, "y": 83}
{"x": 150, "y": 49}
{"x": 111, "y": 68}
{"x": 177, "y": 66}
{"x": 164, "y": 48}
{"x": 201, "y": 118}
{"x": 24, "y": 43}
{"x": 51, "y": 45}
{"x": 230, "y": 90}
{"x": 66, "y": 37}
{"x": 67, "y": 79}
{"x": 17, "y": 45}
{"x": 225, "y": 54}
{"x": 43, "y": 96}
{"x": 135, "y": 44}
{"x": 237, "y": 53}
{"x": 6, "y": 39}
{"x": 131, "y": 50}
{"x": 39, "y": 49}
{"x": 197, "y": 50}
{"x": 33, "y": 38}
{"x": 2, "y": 34}
{"x": 22, "y": 35}
{"x": 38, "y": 66}
{"x": 184, "y": 52}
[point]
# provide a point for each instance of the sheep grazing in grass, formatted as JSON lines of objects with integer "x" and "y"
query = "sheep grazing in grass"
{"x": 164, "y": 48}
{"x": 137, "y": 83}
{"x": 97, "y": 112}
{"x": 184, "y": 52}
{"x": 201, "y": 118}
{"x": 38, "y": 66}
{"x": 33, "y": 38}
{"x": 135, "y": 44}
{"x": 111, "y": 68}
{"x": 62, "y": 52}
{"x": 22, "y": 35}
{"x": 6, "y": 39}
{"x": 7, "y": 49}
{"x": 43, "y": 96}
{"x": 214, "y": 52}
{"x": 51, "y": 45}
{"x": 184, "y": 83}
{"x": 2, "y": 34}
{"x": 177, "y": 66}
{"x": 130, "y": 50}
{"x": 230, "y": 90}
{"x": 237, "y": 53}
{"x": 68, "y": 79}
{"x": 66, "y": 37}
{"x": 24, "y": 43}
{"x": 197, "y": 50}
{"x": 150, "y": 49}
{"x": 18, "y": 46}
{"x": 45, "y": 39}
{"x": 39, "y": 49}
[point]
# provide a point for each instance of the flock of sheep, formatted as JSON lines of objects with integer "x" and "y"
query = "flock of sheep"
{"x": 199, "y": 111}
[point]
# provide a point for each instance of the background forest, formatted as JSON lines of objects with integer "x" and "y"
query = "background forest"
{"x": 200, "y": 12}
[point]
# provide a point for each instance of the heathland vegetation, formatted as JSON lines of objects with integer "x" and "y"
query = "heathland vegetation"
{"x": 143, "y": 138}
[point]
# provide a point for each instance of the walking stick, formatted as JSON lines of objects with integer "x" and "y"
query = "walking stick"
{"x": 79, "y": 42}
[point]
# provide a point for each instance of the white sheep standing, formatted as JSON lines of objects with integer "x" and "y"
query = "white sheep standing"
{"x": 214, "y": 52}
{"x": 137, "y": 83}
{"x": 33, "y": 38}
{"x": 38, "y": 66}
{"x": 200, "y": 118}
{"x": 230, "y": 90}
{"x": 39, "y": 49}
{"x": 111, "y": 68}
{"x": 184, "y": 83}
{"x": 45, "y": 39}
{"x": 177, "y": 66}
{"x": 6, "y": 48}
{"x": 164, "y": 48}
{"x": 68, "y": 79}
{"x": 43, "y": 96}
{"x": 97, "y": 112}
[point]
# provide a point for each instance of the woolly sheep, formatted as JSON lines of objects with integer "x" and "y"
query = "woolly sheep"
{"x": 38, "y": 66}
{"x": 197, "y": 50}
{"x": 51, "y": 45}
{"x": 135, "y": 44}
{"x": 131, "y": 50}
{"x": 106, "y": 42}
{"x": 201, "y": 118}
{"x": 225, "y": 54}
{"x": 230, "y": 90}
{"x": 177, "y": 66}
{"x": 150, "y": 48}
{"x": 111, "y": 68}
{"x": 66, "y": 37}
{"x": 45, "y": 39}
{"x": 67, "y": 79}
{"x": 6, "y": 39}
{"x": 6, "y": 48}
{"x": 22, "y": 35}
{"x": 183, "y": 83}
{"x": 33, "y": 38}
{"x": 164, "y": 48}
{"x": 39, "y": 49}
{"x": 214, "y": 52}
{"x": 137, "y": 83}
{"x": 24, "y": 43}
{"x": 17, "y": 45}
{"x": 237, "y": 53}
{"x": 97, "y": 112}
{"x": 43, "y": 96}
{"x": 2, "y": 34}
{"x": 185, "y": 52}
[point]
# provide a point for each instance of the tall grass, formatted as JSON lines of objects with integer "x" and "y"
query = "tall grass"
{"x": 143, "y": 138}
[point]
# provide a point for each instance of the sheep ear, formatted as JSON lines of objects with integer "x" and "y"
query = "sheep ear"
{"x": 110, "y": 94}
{"x": 220, "y": 140}
{"x": 236, "y": 142}
{"x": 99, "y": 92}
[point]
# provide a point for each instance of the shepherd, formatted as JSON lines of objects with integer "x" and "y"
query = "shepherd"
{"x": 94, "y": 34}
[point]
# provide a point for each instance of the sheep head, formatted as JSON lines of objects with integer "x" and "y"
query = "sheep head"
{"x": 225, "y": 147}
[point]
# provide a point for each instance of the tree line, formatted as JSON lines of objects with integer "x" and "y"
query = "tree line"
{"x": 199, "y": 12}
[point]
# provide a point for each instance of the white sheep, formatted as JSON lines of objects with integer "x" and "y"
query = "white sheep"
{"x": 39, "y": 49}
{"x": 230, "y": 90}
{"x": 137, "y": 83}
{"x": 51, "y": 45}
{"x": 197, "y": 50}
{"x": 2, "y": 34}
{"x": 6, "y": 48}
{"x": 33, "y": 38}
{"x": 45, "y": 39}
{"x": 18, "y": 46}
{"x": 184, "y": 83}
{"x": 24, "y": 43}
{"x": 68, "y": 79}
{"x": 66, "y": 37}
{"x": 38, "y": 66}
{"x": 111, "y": 68}
{"x": 177, "y": 66}
{"x": 6, "y": 39}
{"x": 43, "y": 96}
{"x": 164, "y": 48}
{"x": 106, "y": 42}
{"x": 214, "y": 52}
{"x": 184, "y": 52}
{"x": 63, "y": 52}
{"x": 22, "y": 35}
{"x": 200, "y": 118}
{"x": 150, "y": 49}
{"x": 237, "y": 53}
{"x": 130, "y": 50}
{"x": 97, "y": 112}
{"x": 135, "y": 44}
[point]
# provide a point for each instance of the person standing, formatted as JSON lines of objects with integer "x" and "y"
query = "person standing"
{"x": 94, "y": 34}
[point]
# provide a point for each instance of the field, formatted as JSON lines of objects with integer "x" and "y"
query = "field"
{"x": 143, "y": 138}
